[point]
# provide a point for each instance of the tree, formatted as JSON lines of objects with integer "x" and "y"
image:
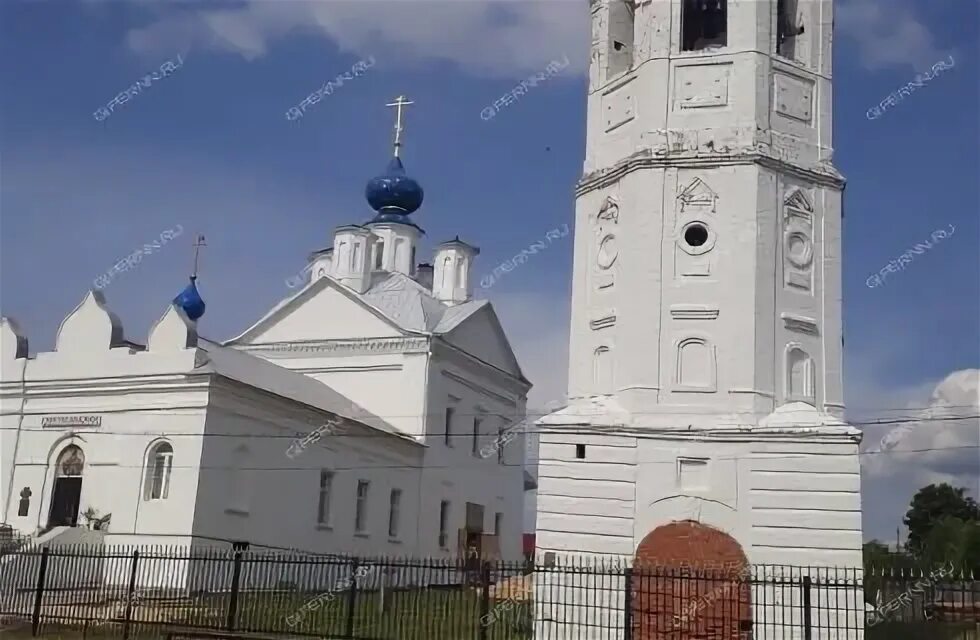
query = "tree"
{"x": 954, "y": 541}
{"x": 876, "y": 554}
{"x": 930, "y": 505}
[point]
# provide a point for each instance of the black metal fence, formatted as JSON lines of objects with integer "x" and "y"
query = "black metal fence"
{"x": 78, "y": 592}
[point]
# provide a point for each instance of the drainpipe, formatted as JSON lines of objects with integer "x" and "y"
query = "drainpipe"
{"x": 20, "y": 423}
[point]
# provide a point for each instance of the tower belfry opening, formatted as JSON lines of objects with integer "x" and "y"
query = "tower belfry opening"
{"x": 621, "y": 29}
{"x": 704, "y": 24}
{"x": 787, "y": 28}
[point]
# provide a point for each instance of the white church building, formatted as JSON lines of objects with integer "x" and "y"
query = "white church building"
{"x": 354, "y": 417}
{"x": 705, "y": 418}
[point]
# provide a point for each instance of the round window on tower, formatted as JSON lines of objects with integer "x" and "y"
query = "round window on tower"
{"x": 696, "y": 238}
{"x": 695, "y": 235}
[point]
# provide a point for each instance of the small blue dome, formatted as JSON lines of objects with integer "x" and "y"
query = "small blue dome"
{"x": 190, "y": 301}
{"x": 394, "y": 195}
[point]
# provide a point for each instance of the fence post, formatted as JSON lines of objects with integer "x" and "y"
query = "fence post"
{"x": 628, "y": 605}
{"x": 39, "y": 593}
{"x": 351, "y": 599}
{"x": 129, "y": 595}
{"x": 233, "y": 600}
{"x": 485, "y": 598}
{"x": 807, "y": 628}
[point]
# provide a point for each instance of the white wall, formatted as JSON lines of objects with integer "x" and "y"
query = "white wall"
{"x": 453, "y": 473}
{"x": 284, "y": 492}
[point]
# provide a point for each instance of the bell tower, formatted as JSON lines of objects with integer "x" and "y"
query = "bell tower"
{"x": 705, "y": 385}
{"x": 707, "y": 252}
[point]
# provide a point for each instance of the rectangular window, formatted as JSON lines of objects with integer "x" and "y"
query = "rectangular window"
{"x": 500, "y": 444}
{"x": 580, "y": 451}
{"x": 704, "y": 24}
{"x": 498, "y": 523}
{"x": 449, "y": 425}
{"x": 360, "y": 513}
{"x": 323, "y": 507}
{"x": 394, "y": 512}
{"x": 476, "y": 436}
{"x": 444, "y": 524}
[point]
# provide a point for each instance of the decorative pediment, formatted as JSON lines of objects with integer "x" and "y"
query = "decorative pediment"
{"x": 698, "y": 195}
{"x": 609, "y": 210}
{"x": 13, "y": 343}
{"x": 91, "y": 327}
{"x": 796, "y": 198}
{"x": 173, "y": 331}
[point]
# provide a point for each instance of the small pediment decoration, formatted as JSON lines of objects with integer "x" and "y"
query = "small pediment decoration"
{"x": 698, "y": 195}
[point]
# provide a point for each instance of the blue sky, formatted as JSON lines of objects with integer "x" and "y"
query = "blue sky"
{"x": 209, "y": 148}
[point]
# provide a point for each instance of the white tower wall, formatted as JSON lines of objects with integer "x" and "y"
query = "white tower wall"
{"x": 353, "y": 248}
{"x": 705, "y": 378}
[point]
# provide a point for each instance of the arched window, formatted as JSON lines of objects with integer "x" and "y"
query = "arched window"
{"x": 240, "y": 481}
{"x": 447, "y": 270}
{"x": 159, "y": 464}
{"x": 460, "y": 271}
{"x": 800, "y": 376}
{"x": 71, "y": 462}
{"x": 602, "y": 373}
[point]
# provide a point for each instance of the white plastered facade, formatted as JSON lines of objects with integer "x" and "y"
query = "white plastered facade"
{"x": 383, "y": 364}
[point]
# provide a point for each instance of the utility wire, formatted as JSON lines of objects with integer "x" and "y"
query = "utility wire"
{"x": 546, "y": 429}
{"x": 539, "y": 461}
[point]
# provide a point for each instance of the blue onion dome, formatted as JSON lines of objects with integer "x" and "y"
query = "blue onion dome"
{"x": 190, "y": 300}
{"x": 394, "y": 195}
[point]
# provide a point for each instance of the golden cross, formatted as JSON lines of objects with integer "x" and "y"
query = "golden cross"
{"x": 399, "y": 102}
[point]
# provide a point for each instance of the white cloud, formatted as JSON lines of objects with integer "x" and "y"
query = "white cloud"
{"x": 891, "y": 478}
{"x": 887, "y": 34}
{"x": 481, "y": 36}
{"x": 938, "y": 443}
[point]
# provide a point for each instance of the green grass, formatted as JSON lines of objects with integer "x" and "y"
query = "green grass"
{"x": 420, "y": 614}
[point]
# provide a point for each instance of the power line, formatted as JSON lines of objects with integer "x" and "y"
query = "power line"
{"x": 700, "y": 412}
{"x": 553, "y": 429}
{"x": 522, "y": 465}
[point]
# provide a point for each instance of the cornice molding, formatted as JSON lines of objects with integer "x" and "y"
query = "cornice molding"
{"x": 693, "y": 312}
{"x": 137, "y": 384}
{"x": 338, "y": 348}
{"x": 800, "y": 324}
{"x": 645, "y": 160}
{"x": 603, "y": 319}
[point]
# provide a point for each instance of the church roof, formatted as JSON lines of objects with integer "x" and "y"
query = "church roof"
{"x": 393, "y": 296}
{"x": 412, "y": 307}
{"x": 266, "y": 376}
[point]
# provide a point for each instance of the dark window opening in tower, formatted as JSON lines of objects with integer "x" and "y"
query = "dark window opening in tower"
{"x": 379, "y": 253}
{"x": 704, "y": 24}
{"x": 621, "y": 26}
{"x": 787, "y": 28}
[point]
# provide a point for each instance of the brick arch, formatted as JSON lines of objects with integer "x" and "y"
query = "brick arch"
{"x": 690, "y": 582}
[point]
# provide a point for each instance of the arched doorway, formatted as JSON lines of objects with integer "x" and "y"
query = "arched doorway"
{"x": 67, "y": 492}
{"x": 690, "y": 582}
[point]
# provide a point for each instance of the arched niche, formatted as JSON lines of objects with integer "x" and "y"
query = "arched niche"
{"x": 800, "y": 376}
{"x": 695, "y": 365}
